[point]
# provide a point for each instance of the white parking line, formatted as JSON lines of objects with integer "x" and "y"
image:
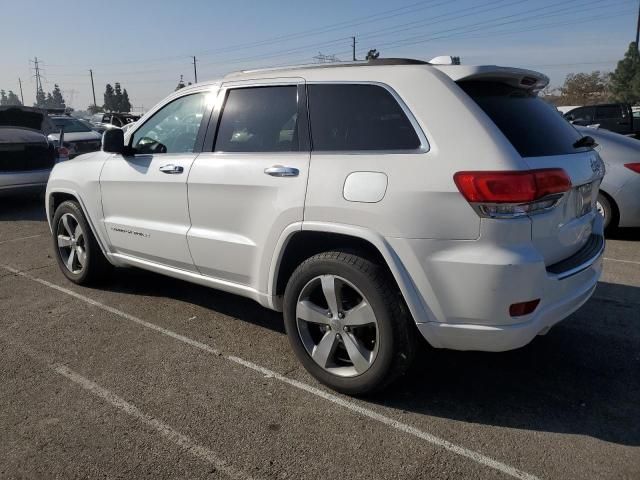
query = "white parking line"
{"x": 622, "y": 261}
{"x": 20, "y": 238}
{"x": 348, "y": 404}
{"x": 162, "y": 428}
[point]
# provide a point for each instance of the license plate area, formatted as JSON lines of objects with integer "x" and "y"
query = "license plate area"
{"x": 584, "y": 199}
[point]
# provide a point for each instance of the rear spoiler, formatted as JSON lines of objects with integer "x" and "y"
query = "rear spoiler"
{"x": 515, "y": 77}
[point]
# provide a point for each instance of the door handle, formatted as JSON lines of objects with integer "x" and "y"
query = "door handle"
{"x": 280, "y": 171}
{"x": 171, "y": 169}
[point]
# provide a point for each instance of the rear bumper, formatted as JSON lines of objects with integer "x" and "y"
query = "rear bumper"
{"x": 508, "y": 337}
{"x": 467, "y": 287}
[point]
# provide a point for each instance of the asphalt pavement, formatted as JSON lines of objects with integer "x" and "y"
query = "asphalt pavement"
{"x": 148, "y": 376}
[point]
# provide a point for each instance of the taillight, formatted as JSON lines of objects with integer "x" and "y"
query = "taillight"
{"x": 63, "y": 152}
{"x": 513, "y": 193}
{"x": 633, "y": 166}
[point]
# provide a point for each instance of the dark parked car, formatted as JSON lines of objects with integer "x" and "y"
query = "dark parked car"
{"x": 615, "y": 117}
{"x": 26, "y": 155}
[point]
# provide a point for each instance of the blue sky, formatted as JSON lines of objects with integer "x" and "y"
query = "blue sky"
{"x": 146, "y": 44}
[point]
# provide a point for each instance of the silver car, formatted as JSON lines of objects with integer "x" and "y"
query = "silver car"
{"x": 619, "y": 197}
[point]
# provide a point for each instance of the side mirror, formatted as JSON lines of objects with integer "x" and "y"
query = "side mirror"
{"x": 113, "y": 141}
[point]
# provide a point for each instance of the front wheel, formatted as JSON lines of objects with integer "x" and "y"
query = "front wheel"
{"x": 76, "y": 249}
{"x": 347, "y": 323}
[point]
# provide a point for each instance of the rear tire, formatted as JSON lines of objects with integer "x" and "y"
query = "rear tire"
{"x": 76, "y": 250}
{"x": 608, "y": 212}
{"x": 368, "y": 342}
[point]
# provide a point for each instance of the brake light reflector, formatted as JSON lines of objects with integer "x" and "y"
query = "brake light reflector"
{"x": 511, "y": 186}
{"x": 523, "y": 308}
{"x": 633, "y": 166}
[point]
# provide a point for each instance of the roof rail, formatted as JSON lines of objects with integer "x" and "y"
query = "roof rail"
{"x": 357, "y": 63}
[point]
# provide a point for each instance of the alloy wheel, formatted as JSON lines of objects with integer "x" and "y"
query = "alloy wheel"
{"x": 71, "y": 243}
{"x": 337, "y": 326}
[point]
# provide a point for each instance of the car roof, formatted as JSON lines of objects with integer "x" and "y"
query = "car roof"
{"x": 517, "y": 77}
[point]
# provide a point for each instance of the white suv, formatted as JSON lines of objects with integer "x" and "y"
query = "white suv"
{"x": 369, "y": 202}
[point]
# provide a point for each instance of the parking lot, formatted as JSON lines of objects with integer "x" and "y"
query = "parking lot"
{"x": 153, "y": 377}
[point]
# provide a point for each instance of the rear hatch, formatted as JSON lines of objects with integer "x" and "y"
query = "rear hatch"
{"x": 545, "y": 141}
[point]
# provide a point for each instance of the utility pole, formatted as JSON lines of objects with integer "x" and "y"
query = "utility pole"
{"x": 21, "y": 95}
{"x": 353, "y": 47}
{"x": 195, "y": 70}
{"x": 638, "y": 29}
{"x": 93, "y": 88}
{"x": 38, "y": 80}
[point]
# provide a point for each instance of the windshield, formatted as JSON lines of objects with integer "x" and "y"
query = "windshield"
{"x": 533, "y": 126}
{"x": 70, "y": 125}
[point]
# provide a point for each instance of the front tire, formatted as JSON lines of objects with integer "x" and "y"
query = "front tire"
{"x": 347, "y": 323}
{"x": 75, "y": 247}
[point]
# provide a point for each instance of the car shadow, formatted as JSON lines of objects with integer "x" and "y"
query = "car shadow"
{"x": 582, "y": 378}
{"x": 625, "y": 234}
{"x": 15, "y": 208}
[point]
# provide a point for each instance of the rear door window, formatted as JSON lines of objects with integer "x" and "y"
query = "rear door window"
{"x": 534, "y": 127}
{"x": 355, "y": 117}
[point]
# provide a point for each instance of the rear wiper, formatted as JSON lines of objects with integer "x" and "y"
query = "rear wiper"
{"x": 585, "y": 141}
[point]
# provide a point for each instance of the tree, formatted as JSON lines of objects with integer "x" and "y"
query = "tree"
{"x": 12, "y": 99}
{"x": 3, "y": 97}
{"x": 585, "y": 88}
{"x": 117, "y": 98}
{"x": 372, "y": 54}
{"x": 625, "y": 80}
{"x": 109, "y": 98}
{"x": 41, "y": 99}
{"x": 125, "y": 104}
{"x": 57, "y": 100}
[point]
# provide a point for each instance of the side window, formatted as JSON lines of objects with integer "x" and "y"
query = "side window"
{"x": 173, "y": 128}
{"x": 581, "y": 115}
{"x": 358, "y": 117}
{"x": 259, "y": 119}
{"x": 609, "y": 111}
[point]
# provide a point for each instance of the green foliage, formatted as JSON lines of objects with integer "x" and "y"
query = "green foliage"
{"x": 625, "y": 81}
{"x": 13, "y": 99}
{"x": 585, "y": 88}
{"x": 53, "y": 99}
{"x": 116, "y": 99}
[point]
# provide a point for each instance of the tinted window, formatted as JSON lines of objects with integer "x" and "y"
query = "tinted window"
{"x": 609, "y": 111}
{"x": 260, "y": 119}
{"x": 533, "y": 126}
{"x": 358, "y": 117}
{"x": 173, "y": 128}
{"x": 584, "y": 114}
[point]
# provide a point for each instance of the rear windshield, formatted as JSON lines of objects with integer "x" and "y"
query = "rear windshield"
{"x": 534, "y": 127}
{"x": 70, "y": 125}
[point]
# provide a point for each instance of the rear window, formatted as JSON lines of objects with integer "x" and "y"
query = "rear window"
{"x": 70, "y": 125}
{"x": 353, "y": 117}
{"x": 534, "y": 127}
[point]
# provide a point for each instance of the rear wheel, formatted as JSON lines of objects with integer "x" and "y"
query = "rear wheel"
{"x": 347, "y": 323}
{"x": 76, "y": 249}
{"x": 608, "y": 212}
